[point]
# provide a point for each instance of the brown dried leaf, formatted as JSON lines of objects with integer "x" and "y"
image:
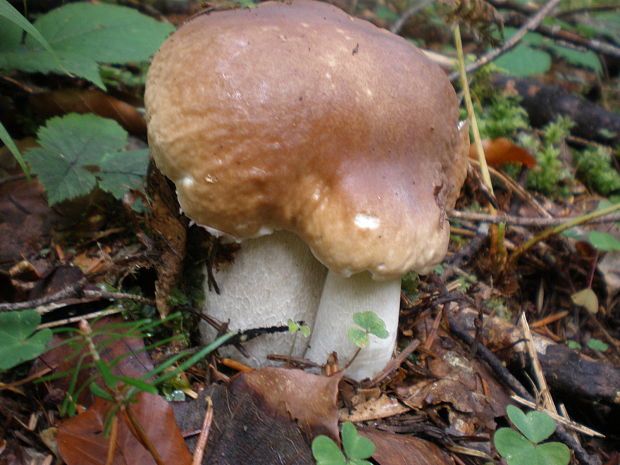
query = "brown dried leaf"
{"x": 500, "y": 151}
{"x": 81, "y": 440}
{"x": 294, "y": 394}
{"x": 26, "y": 220}
{"x": 171, "y": 229}
{"x": 63, "y": 101}
{"x": 398, "y": 449}
{"x": 373, "y": 409}
{"x": 243, "y": 432}
{"x": 134, "y": 362}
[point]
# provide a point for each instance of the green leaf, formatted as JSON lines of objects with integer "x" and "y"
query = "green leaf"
{"x": 356, "y": 446}
{"x": 326, "y": 452}
{"x": 513, "y": 447}
{"x": 141, "y": 385}
{"x": 536, "y": 426}
{"x": 603, "y": 241}
{"x": 597, "y": 344}
{"x": 19, "y": 340}
{"x": 358, "y": 337}
{"x": 82, "y": 35}
{"x": 8, "y": 12}
{"x": 371, "y": 323}
{"x": 100, "y": 392}
{"x": 553, "y": 453}
{"x": 573, "y": 345}
{"x": 524, "y": 61}
{"x": 79, "y": 152}
{"x": 122, "y": 171}
{"x": 7, "y": 140}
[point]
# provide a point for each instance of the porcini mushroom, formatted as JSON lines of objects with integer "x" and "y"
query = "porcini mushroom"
{"x": 295, "y": 116}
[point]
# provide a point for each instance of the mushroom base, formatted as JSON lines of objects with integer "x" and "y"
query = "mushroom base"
{"x": 272, "y": 279}
{"x": 341, "y": 298}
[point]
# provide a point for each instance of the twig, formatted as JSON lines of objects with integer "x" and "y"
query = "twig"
{"x": 506, "y": 377}
{"x": 543, "y": 387}
{"x": 559, "y": 418}
{"x": 529, "y": 25}
{"x": 75, "y": 319}
{"x": 393, "y": 364}
{"x": 527, "y": 220}
{"x": 68, "y": 291}
{"x": 412, "y": 10}
{"x": 567, "y": 38}
{"x": 204, "y": 434}
{"x": 558, "y": 229}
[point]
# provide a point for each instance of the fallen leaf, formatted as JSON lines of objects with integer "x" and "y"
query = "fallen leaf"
{"x": 381, "y": 407}
{"x": 81, "y": 440}
{"x": 308, "y": 399}
{"x": 587, "y": 299}
{"x": 399, "y": 449}
{"x": 60, "y": 102}
{"x": 243, "y": 431}
{"x": 500, "y": 151}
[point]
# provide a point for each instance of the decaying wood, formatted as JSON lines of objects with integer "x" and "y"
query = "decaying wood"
{"x": 567, "y": 370}
{"x": 545, "y": 103}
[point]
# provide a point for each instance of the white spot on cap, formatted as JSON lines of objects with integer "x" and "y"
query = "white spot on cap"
{"x": 210, "y": 179}
{"x": 187, "y": 181}
{"x": 364, "y": 221}
{"x": 305, "y": 24}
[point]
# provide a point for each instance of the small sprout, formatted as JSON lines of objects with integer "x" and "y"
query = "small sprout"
{"x": 356, "y": 448}
{"x": 294, "y": 327}
{"x": 370, "y": 324}
{"x": 573, "y": 345}
{"x": 597, "y": 344}
{"x": 523, "y": 448}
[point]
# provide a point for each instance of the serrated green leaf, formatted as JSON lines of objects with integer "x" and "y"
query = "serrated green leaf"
{"x": 355, "y": 446}
{"x": 371, "y": 322}
{"x": 122, "y": 171}
{"x": 603, "y": 241}
{"x": 82, "y": 35}
{"x": 536, "y": 426}
{"x": 358, "y": 337}
{"x": 18, "y": 340}
{"x": 326, "y": 452}
{"x": 79, "y": 152}
{"x": 525, "y": 61}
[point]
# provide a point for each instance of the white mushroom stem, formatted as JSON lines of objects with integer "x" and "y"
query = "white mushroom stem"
{"x": 342, "y": 297}
{"x": 272, "y": 278}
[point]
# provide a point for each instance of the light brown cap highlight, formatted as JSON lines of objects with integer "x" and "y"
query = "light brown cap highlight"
{"x": 297, "y": 116}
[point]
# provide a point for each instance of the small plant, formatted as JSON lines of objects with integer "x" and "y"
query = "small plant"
{"x": 549, "y": 176}
{"x": 81, "y": 152}
{"x": 294, "y": 327}
{"x": 369, "y": 323}
{"x": 19, "y": 339}
{"x": 356, "y": 448}
{"x": 523, "y": 448}
{"x": 594, "y": 167}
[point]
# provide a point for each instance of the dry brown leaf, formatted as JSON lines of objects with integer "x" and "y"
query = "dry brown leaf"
{"x": 381, "y": 407}
{"x": 81, "y": 440}
{"x": 306, "y": 398}
{"x": 500, "y": 151}
{"x": 398, "y": 449}
{"x": 63, "y": 101}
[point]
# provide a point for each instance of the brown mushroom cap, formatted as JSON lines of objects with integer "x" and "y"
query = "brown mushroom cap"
{"x": 297, "y": 116}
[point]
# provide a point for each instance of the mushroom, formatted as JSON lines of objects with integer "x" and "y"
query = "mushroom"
{"x": 295, "y": 116}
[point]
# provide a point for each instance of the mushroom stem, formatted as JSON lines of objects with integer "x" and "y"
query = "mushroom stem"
{"x": 341, "y": 298}
{"x": 272, "y": 278}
